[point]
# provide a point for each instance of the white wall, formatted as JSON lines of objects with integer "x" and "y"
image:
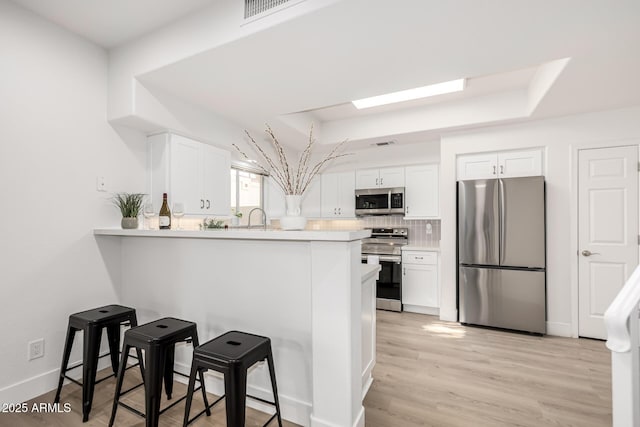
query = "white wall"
{"x": 559, "y": 137}
{"x": 54, "y": 141}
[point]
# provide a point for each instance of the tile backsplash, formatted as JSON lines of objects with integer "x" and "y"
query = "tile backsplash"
{"x": 417, "y": 228}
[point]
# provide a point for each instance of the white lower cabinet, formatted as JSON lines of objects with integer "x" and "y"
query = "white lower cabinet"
{"x": 420, "y": 286}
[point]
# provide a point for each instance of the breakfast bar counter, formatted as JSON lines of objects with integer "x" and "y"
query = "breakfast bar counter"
{"x": 306, "y": 290}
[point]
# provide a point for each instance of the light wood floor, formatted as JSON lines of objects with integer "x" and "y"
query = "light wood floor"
{"x": 429, "y": 373}
{"x": 433, "y": 373}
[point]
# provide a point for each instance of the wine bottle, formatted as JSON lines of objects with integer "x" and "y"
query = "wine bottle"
{"x": 165, "y": 214}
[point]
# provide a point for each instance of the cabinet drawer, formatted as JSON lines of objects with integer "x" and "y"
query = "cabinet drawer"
{"x": 412, "y": 257}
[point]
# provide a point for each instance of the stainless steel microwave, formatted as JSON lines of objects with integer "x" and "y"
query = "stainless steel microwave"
{"x": 380, "y": 201}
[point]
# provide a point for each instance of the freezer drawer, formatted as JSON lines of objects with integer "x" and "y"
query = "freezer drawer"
{"x": 510, "y": 299}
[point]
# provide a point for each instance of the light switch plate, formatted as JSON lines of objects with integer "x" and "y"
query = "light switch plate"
{"x": 101, "y": 183}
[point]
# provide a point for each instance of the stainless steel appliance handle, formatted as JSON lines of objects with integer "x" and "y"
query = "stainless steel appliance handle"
{"x": 502, "y": 220}
{"x": 587, "y": 252}
{"x": 394, "y": 259}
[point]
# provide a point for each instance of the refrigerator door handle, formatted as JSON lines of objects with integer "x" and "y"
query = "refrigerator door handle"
{"x": 502, "y": 220}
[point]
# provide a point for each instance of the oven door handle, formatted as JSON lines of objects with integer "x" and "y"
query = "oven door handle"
{"x": 395, "y": 259}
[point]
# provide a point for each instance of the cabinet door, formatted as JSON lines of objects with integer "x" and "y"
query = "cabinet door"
{"x": 420, "y": 285}
{"x": 477, "y": 166}
{"x": 515, "y": 164}
{"x": 346, "y": 195}
{"x": 367, "y": 178}
{"x": 186, "y": 174}
{"x": 311, "y": 205}
{"x": 329, "y": 195}
{"x": 216, "y": 164}
{"x": 422, "y": 191}
{"x": 392, "y": 177}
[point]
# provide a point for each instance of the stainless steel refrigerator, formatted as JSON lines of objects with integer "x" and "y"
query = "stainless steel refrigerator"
{"x": 501, "y": 253}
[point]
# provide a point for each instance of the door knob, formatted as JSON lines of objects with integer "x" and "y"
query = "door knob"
{"x": 589, "y": 253}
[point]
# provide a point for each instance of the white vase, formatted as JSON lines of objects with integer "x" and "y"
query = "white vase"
{"x": 293, "y": 220}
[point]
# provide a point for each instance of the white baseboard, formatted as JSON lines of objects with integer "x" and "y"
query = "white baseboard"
{"x": 421, "y": 309}
{"x": 43, "y": 383}
{"x": 359, "y": 421}
{"x": 559, "y": 329}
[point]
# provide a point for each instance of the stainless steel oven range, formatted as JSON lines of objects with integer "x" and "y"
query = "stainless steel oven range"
{"x": 387, "y": 244}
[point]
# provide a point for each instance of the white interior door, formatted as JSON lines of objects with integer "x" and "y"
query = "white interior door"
{"x": 607, "y": 231}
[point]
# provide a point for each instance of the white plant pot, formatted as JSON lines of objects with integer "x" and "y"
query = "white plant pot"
{"x": 293, "y": 220}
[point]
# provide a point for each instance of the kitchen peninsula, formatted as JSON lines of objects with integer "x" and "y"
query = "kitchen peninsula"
{"x": 306, "y": 290}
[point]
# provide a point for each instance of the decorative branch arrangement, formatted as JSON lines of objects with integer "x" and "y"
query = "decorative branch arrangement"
{"x": 292, "y": 180}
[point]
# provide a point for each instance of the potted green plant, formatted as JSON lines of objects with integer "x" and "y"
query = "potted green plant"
{"x": 130, "y": 205}
{"x": 235, "y": 219}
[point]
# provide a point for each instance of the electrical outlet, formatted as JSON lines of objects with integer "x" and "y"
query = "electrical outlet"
{"x": 36, "y": 349}
{"x": 101, "y": 183}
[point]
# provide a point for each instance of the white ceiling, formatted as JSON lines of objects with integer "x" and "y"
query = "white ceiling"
{"x": 310, "y": 67}
{"x": 110, "y": 23}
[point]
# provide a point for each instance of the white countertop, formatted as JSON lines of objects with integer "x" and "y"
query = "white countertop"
{"x": 242, "y": 234}
{"x": 421, "y": 248}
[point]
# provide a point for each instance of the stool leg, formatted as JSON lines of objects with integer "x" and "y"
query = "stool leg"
{"x": 196, "y": 343}
{"x": 272, "y": 374}
{"x": 120, "y": 379}
{"x": 235, "y": 386}
{"x": 134, "y": 322}
{"x": 153, "y": 384}
{"x": 192, "y": 383}
{"x": 71, "y": 333}
{"x": 168, "y": 370}
{"x": 113, "y": 336}
{"x": 92, "y": 336}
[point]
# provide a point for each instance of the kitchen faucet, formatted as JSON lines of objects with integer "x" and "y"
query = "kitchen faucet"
{"x": 264, "y": 217}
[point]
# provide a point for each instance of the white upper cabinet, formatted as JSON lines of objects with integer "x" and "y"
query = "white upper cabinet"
{"x": 504, "y": 164}
{"x": 190, "y": 172}
{"x": 422, "y": 192}
{"x": 338, "y": 195}
{"x": 379, "y": 178}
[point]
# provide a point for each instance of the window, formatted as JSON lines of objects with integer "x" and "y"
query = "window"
{"x": 246, "y": 194}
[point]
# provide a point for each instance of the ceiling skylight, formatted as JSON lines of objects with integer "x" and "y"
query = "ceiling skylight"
{"x": 410, "y": 94}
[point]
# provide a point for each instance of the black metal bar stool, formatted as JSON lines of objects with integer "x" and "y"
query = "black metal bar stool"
{"x": 92, "y": 322}
{"x": 158, "y": 340}
{"x": 232, "y": 354}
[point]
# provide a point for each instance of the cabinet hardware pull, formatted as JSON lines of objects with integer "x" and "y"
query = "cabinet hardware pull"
{"x": 502, "y": 169}
{"x": 494, "y": 170}
{"x": 376, "y": 181}
{"x": 404, "y": 271}
{"x": 419, "y": 257}
{"x": 381, "y": 180}
{"x": 201, "y": 203}
{"x": 339, "y": 211}
{"x": 208, "y": 204}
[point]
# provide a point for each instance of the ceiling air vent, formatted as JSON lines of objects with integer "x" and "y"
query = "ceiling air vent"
{"x": 256, "y": 7}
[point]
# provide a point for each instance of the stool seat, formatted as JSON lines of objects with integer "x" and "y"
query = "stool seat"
{"x": 106, "y": 314}
{"x": 235, "y": 347}
{"x": 91, "y": 323}
{"x": 232, "y": 354}
{"x": 168, "y": 329}
{"x": 158, "y": 340}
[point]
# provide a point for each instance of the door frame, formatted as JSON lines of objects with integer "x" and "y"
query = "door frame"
{"x": 573, "y": 255}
